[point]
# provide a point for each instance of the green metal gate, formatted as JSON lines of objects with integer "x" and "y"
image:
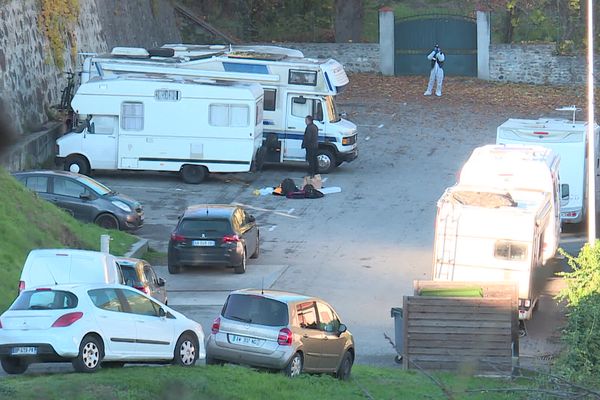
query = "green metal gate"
{"x": 415, "y": 37}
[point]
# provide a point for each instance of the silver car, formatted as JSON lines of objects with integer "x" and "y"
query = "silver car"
{"x": 280, "y": 330}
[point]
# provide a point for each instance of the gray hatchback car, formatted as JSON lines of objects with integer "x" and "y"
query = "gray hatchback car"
{"x": 281, "y": 330}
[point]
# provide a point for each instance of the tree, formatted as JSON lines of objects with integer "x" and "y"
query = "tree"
{"x": 348, "y": 20}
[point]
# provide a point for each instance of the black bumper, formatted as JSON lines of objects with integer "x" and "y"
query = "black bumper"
{"x": 45, "y": 352}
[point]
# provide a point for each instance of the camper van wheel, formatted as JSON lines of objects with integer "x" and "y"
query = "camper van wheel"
{"x": 193, "y": 173}
{"x": 326, "y": 161}
{"x": 77, "y": 164}
{"x": 107, "y": 221}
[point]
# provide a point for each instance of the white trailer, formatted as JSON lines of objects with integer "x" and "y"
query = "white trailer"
{"x": 569, "y": 140}
{"x": 147, "y": 122}
{"x": 294, "y": 87}
{"x": 483, "y": 235}
{"x": 518, "y": 167}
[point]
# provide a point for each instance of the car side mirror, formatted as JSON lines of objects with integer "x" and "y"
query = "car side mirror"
{"x": 161, "y": 282}
{"x": 251, "y": 218}
{"x": 342, "y": 328}
{"x": 162, "y": 313}
{"x": 85, "y": 196}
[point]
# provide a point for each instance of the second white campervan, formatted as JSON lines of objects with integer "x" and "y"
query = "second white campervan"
{"x": 161, "y": 123}
{"x": 569, "y": 140}
{"x": 519, "y": 167}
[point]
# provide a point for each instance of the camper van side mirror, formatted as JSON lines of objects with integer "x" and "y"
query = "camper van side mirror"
{"x": 299, "y": 100}
{"x": 92, "y": 129}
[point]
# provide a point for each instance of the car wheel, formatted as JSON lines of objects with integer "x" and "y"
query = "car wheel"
{"x": 90, "y": 355}
{"x": 257, "y": 251}
{"x": 173, "y": 268}
{"x": 294, "y": 368}
{"x": 186, "y": 350}
{"x": 107, "y": 221}
{"x": 112, "y": 364}
{"x": 343, "y": 373}
{"x": 325, "y": 161}
{"x": 13, "y": 365}
{"x": 240, "y": 269}
{"x": 77, "y": 164}
{"x": 193, "y": 173}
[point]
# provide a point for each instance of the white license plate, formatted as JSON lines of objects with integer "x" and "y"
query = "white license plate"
{"x": 203, "y": 243}
{"x": 23, "y": 351}
{"x": 245, "y": 340}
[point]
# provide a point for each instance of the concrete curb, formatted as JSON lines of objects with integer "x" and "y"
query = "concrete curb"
{"x": 138, "y": 248}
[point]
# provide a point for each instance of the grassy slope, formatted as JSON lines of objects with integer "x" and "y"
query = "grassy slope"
{"x": 232, "y": 382}
{"x": 28, "y": 222}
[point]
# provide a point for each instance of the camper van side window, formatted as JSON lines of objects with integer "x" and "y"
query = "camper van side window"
{"x": 240, "y": 116}
{"x": 299, "y": 77}
{"x": 506, "y": 250}
{"x": 132, "y": 116}
{"x": 259, "y": 113}
{"x": 229, "y": 115}
{"x": 270, "y": 99}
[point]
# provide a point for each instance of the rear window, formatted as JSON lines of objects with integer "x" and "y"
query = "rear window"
{"x": 255, "y": 310}
{"x": 45, "y": 300}
{"x": 130, "y": 276}
{"x": 192, "y": 227}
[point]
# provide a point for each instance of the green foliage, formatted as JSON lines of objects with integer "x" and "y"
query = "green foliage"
{"x": 28, "y": 222}
{"x": 581, "y": 359}
{"x": 57, "y": 20}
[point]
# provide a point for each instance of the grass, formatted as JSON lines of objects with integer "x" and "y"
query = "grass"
{"x": 28, "y": 222}
{"x": 234, "y": 382}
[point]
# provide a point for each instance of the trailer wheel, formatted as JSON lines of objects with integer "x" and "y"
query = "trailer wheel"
{"x": 78, "y": 164}
{"x": 326, "y": 161}
{"x": 193, "y": 173}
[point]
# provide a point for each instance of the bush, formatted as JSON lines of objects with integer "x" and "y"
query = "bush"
{"x": 581, "y": 359}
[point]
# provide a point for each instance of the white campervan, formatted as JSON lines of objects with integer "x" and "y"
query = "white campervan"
{"x": 47, "y": 267}
{"x": 569, "y": 140}
{"x": 157, "y": 123}
{"x": 518, "y": 167}
{"x": 487, "y": 235}
{"x": 294, "y": 87}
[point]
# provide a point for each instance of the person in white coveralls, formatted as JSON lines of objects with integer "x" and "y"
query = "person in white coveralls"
{"x": 437, "y": 58}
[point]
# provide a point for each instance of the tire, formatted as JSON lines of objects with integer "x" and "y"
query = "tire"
{"x": 325, "y": 161}
{"x": 78, "y": 164}
{"x": 240, "y": 269}
{"x": 90, "y": 355}
{"x": 173, "y": 268}
{"x": 13, "y": 365}
{"x": 112, "y": 364}
{"x": 295, "y": 366}
{"x": 256, "y": 253}
{"x": 185, "y": 353}
{"x": 345, "y": 369}
{"x": 193, "y": 174}
{"x": 107, "y": 221}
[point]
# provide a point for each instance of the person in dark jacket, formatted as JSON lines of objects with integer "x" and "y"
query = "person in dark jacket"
{"x": 310, "y": 143}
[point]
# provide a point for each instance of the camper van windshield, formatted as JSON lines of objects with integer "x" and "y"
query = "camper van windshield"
{"x": 331, "y": 110}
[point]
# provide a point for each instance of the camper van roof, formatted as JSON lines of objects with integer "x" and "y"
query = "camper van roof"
{"x": 543, "y": 124}
{"x": 513, "y": 152}
{"x": 485, "y": 197}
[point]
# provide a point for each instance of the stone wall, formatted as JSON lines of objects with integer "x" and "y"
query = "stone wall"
{"x": 537, "y": 64}
{"x": 30, "y": 81}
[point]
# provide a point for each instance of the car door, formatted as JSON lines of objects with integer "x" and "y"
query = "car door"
{"x": 311, "y": 336}
{"x": 154, "y": 334}
{"x": 117, "y": 326}
{"x": 248, "y": 230}
{"x": 156, "y": 291}
{"x": 73, "y": 197}
{"x": 332, "y": 348}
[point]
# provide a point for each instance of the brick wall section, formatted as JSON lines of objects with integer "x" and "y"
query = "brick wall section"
{"x": 537, "y": 64}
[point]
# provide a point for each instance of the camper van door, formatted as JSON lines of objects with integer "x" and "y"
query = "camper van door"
{"x": 99, "y": 141}
{"x": 298, "y": 108}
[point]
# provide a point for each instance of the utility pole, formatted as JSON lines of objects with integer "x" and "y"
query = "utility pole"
{"x": 591, "y": 166}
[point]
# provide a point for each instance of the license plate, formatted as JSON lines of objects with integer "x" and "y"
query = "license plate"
{"x": 203, "y": 243}
{"x": 23, "y": 351}
{"x": 245, "y": 340}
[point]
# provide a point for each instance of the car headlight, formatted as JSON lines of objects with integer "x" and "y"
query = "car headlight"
{"x": 121, "y": 205}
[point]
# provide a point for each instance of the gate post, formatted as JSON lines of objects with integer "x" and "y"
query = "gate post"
{"x": 386, "y": 41}
{"x": 483, "y": 45}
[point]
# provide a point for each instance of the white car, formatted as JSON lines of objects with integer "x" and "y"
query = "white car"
{"x": 93, "y": 325}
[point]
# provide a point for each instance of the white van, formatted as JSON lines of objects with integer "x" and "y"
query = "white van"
{"x": 519, "y": 167}
{"x": 569, "y": 140}
{"x": 157, "y": 123}
{"x": 490, "y": 235}
{"x": 47, "y": 267}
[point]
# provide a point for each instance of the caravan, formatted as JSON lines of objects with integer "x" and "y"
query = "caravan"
{"x": 150, "y": 122}
{"x": 569, "y": 140}
{"x": 489, "y": 235}
{"x": 294, "y": 86}
{"x": 517, "y": 167}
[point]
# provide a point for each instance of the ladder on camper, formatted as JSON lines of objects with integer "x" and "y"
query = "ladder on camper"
{"x": 446, "y": 258}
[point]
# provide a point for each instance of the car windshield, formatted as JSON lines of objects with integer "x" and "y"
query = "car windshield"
{"x": 96, "y": 186}
{"x": 194, "y": 227}
{"x": 45, "y": 300}
{"x": 331, "y": 110}
{"x": 130, "y": 275}
{"x": 254, "y": 309}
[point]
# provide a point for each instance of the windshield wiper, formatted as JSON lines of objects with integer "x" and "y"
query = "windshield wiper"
{"x": 247, "y": 320}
